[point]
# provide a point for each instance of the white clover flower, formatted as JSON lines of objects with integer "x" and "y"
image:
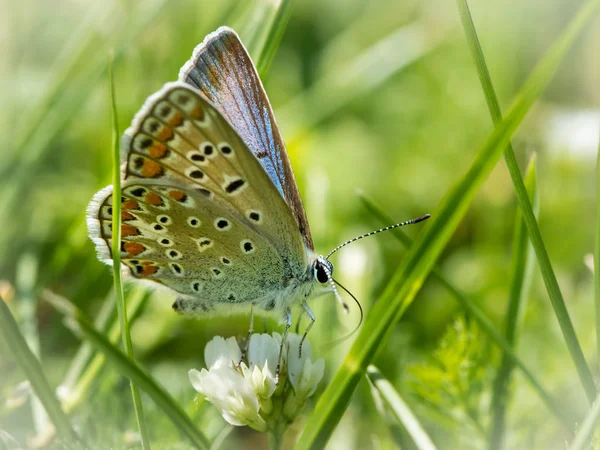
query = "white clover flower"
{"x": 225, "y": 387}
{"x": 263, "y": 352}
{"x": 304, "y": 375}
{"x": 302, "y": 372}
{"x": 246, "y": 391}
{"x": 220, "y": 351}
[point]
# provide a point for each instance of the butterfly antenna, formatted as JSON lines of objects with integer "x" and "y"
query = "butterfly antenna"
{"x": 335, "y": 342}
{"x": 391, "y": 227}
{"x": 334, "y": 289}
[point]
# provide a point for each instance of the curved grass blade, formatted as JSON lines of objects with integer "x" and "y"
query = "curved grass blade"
{"x": 556, "y": 297}
{"x": 86, "y": 365}
{"x": 66, "y": 95}
{"x": 479, "y": 316}
{"x": 522, "y": 268}
{"x": 26, "y": 279}
{"x": 587, "y": 428}
{"x": 77, "y": 321}
{"x": 361, "y": 75}
{"x": 419, "y": 261}
{"x": 276, "y": 31}
{"x": 116, "y": 255}
{"x": 401, "y": 411}
{"x": 597, "y": 256}
{"x": 35, "y": 374}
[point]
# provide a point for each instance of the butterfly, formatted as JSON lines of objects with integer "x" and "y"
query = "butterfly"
{"x": 210, "y": 206}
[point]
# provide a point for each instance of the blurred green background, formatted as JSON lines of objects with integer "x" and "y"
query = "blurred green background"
{"x": 378, "y": 96}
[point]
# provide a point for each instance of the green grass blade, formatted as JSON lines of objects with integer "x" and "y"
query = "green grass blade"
{"x": 276, "y": 31}
{"x": 85, "y": 353}
{"x": 81, "y": 324}
{"x": 597, "y": 257}
{"x": 67, "y": 98}
{"x": 359, "y": 76}
{"x": 522, "y": 268}
{"x": 556, "y": 297}
{"x": 419, "y": 261}
{"x": 479, "y": 316}
{"x": 400, "y": 409}
{"x": 26, "y": 279}
{"x": 587, "y": 428}
{"x": 86, "y": 365}
{"x": 35, "y": 374}
{"x": 218, "y": 441}
{"x": 79, "y": 392}
{"x": 116, "y": 255}
{"x": 62, "y": 72}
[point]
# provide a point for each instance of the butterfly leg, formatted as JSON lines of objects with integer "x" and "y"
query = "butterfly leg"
{"x": 297, "y": 329}
{"x": 250, "y": 331}
{"x": 311, "y": 315}
{"x": 288, "y": 324}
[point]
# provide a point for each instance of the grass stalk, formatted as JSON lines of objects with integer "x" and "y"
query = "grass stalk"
{"x": 587, "y": 428}
{"x": 116, "y": 255}
{"x": 35, "y": 374}
{"x": 87, "y": 363}
{"x": 400, "y": 409}
{"x": 358, "y": 77}
{"x": 85, "y": 353}
{"x": 273, "y": 38}
{"x": 597, "y": 257}
{"x": 25, "y": 284}
{"x": 552, "y": 287}
{"x": 522, "y": 267}
{"x": 480, "y": 317}
{"x": 419, "y": 261}
{"x": 82, "y": 325}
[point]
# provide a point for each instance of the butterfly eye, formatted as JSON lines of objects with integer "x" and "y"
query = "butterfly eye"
{"x": 320, "y": 273}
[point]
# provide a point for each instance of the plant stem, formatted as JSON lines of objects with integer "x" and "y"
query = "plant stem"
{"x": 116, "y": 249}
{"x": 597, "y": 256}
{"x": 479, "y": 316}
{"x": 276, "y": 438}
{"x": 522, "y": 266}
{"x": 552, "y": 287}
{"x": 35, "y": 374}
{"x": 276, "y": 31}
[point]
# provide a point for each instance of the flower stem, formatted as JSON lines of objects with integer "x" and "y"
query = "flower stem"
{"x": 276, "y": 436}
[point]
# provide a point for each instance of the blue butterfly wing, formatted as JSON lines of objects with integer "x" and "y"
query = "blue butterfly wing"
{"x": 222, "y": 69}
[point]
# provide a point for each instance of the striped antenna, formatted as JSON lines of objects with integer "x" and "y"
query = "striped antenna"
{"x": 334, "y": 289}
{"x": 391, "y": 227}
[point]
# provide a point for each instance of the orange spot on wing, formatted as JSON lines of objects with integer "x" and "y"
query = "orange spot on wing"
{"x": 149, "y": 270}
{"x": 176, "y": 195}
{"x": 197, "y": 113}
{"x": 176, "y": 120}
{"x": 151, "y": 169}
{"x": 154, "y": 199}
{"x": 131, "y": 205}
{"x": 165, "y": 134}
{"x": 157, "y": 150}
{"x": 127, "y": 216}
{"x": 134, "y": 248}
{"x": 129, "y": 230}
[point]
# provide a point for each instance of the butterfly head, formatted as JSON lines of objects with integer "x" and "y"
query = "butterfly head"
{"x": 323, "y": 270}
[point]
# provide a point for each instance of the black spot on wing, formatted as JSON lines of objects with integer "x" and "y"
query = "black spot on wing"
{"x": 234, "y": 185}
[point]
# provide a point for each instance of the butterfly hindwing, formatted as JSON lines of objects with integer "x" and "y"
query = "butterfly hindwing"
{"x": 191, "y": 244}
{"x": 200, "y": 214}
{"x": 222, "y": 69}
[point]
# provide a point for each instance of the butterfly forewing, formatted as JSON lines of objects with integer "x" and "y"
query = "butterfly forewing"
{"x": 200, "y": 215}
{"x": 222, "y": 69}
